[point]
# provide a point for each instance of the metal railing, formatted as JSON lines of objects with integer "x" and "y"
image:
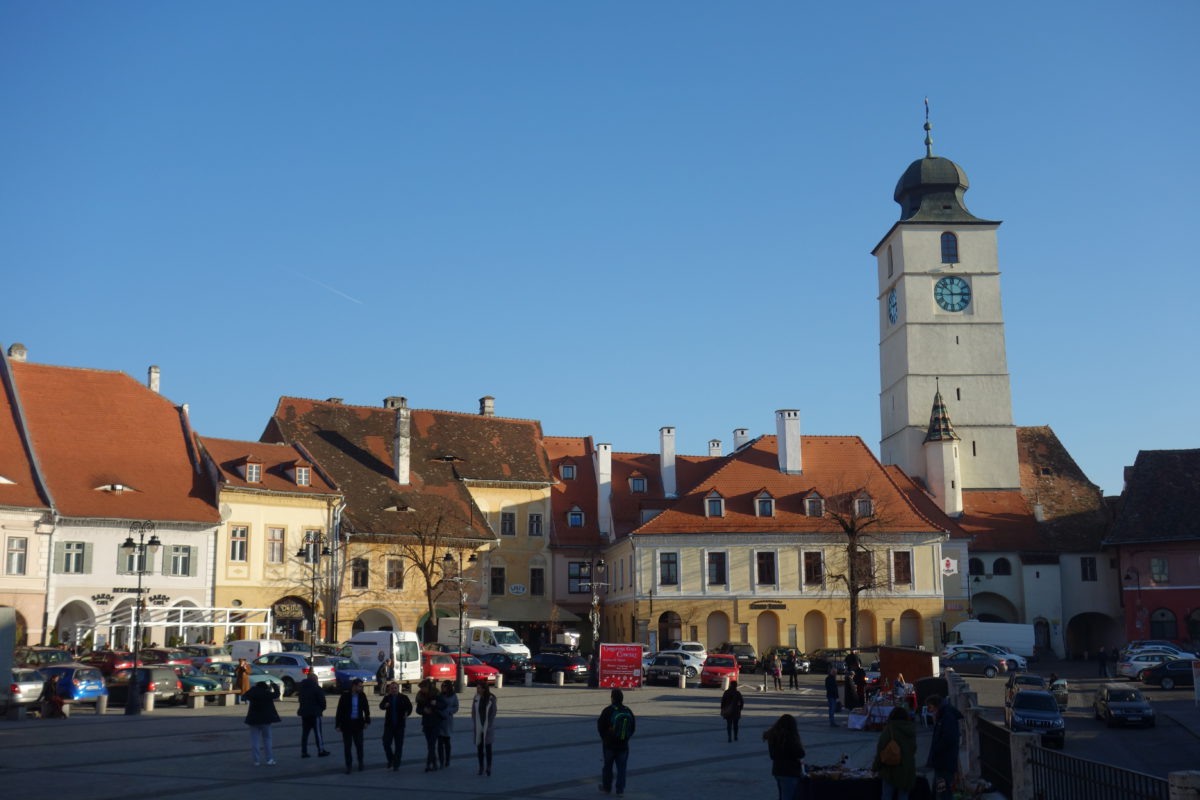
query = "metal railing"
{"x": 995, "y": 756}
{"x": 1058, "y": 776}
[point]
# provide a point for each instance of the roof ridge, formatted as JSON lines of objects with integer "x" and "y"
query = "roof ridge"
{"x": 471, "y": 414}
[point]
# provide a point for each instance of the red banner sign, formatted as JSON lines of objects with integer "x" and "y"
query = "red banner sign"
{"x": 620, "y": 666}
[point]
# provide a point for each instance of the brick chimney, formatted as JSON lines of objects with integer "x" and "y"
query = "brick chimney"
{"x": 787, "y": 430}
{"x": 740, "y": 437}
{"x": 402, "y": 439}
{"x": 487, "y": 406}
{"x": 666, "y": 450}
{"x": 152, "y": 378}
{"x": 604, "y": 488}
{"x": 714, "y": 447}
{"x": 18, "y": 352}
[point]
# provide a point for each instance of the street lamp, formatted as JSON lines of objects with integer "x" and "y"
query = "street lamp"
{"x": 1133, "y": 573}
{"x": 311, "y": 552}
{"x": 461, "y": 582}
{"x": 142, "y": 552}
{"x": 598, "y": 571}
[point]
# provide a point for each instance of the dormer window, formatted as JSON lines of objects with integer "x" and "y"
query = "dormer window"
{"x": 253, "y": 472}
{"x": 949, "y": 248}
{"x": 568, "y": 473}
{"x": 864, "y": 507}
{"x": 764, "y": 505}
{"x": 637, "y": 484}
{"x": 303, "y": 476}
{"x": 6, "y": 481}
{"x": 575, "y": 516}
{"x": 714, "y": 505}
{"x": 115, "y": 488}
{"x": 814, "y": 506}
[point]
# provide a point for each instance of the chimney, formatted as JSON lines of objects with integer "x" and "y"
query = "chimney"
{"x": 666, "y": 450}
{"x": 402, "y": 441}
{"x": 152, "y": 378}
{"x": 604, "y": 488}
{"x": 1039, "y": 512}
{"x": 740, "y": 437}
{"x": 787, "y": 430}
{"x": 714, "y": 447}
{"x": 388, "y": 402}
{"x": 487, "y": 406}
{"x": 18, "y": 352}
{"x": 337, "y": 401}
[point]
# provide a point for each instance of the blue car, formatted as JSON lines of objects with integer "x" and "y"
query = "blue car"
{"x": 345, "y": 671}
{"x": 77, "y": 682}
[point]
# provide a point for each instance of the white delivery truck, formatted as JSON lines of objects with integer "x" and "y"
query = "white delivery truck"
{"x": 370, "y": 649}
{"x": 481, "y": 636}
{"x": 251, "y": 649}
{"x": 1013, "y": 637}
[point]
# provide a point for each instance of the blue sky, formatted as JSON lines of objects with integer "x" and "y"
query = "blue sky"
{"x": 611, "y": 216}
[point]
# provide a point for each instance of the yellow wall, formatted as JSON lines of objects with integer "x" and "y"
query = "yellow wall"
{"x": 517, "y": 553}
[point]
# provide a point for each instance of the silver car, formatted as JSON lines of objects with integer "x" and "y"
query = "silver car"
{"x": 23, "y": 690}
{"x": 291, "y": 668}
{"x": 974, "y": 662}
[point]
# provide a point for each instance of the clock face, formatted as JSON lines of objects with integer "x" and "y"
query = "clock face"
{"x": 952, "y": 293}
{"x": 893, "y": 309}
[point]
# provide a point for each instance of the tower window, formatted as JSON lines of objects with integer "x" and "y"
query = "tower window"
{"x": 957, "y": 393}
{"x": 949, "y": 248}
{"x": 973, "y": 451}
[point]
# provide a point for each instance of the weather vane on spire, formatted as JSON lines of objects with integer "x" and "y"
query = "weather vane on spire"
{"x": 928, "y": 128}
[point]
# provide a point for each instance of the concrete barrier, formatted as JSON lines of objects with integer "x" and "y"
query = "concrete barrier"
{"x": 529, "y": 679}
{"x": 558, "y": 677}
{"x": 102, "y": 704}
{"x": 725, "y": 683}
{"x": 148, "y": 702}
{"x": 682, "y": 681}
{"x": 500, "y": 681}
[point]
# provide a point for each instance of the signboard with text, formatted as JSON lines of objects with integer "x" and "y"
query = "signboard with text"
{"x": 620, "y": 666}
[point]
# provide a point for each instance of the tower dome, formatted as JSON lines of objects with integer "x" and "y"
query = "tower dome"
{"x": 931, "y": 189}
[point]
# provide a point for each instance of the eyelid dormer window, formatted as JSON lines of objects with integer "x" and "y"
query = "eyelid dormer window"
{"x": 253, "y": 472}
{"x": 303, "y": 476}
{"x": 714, "y": 505}
{"x": 764, "y": 505}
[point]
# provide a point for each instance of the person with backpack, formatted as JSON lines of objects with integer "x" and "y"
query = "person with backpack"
{"x": 731, "y": 710}
{"x": 616, "y": 726}
{"x": 896, "y": 755}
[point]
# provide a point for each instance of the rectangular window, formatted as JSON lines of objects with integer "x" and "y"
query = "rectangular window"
{"x": 133, "y": 563}
{"x": 568, "y": 472}
{"x": 864, "y": 568}
{"x": 1159, "y": 572}
{"x": 312, "y": 546}
{"x": 253, "y": 473}
{"x": 395, "y": 574}
{"x": 863, "y": 508}
{"x": 637, "y": 484}
{"x": 497, "y": 580}
{"x": 814, "y": 507}
{"x": 360, "y": 573}
{"x": 579, "y": 577}
{"x": 274, "y": 545}
{"x": 181, "y": 560}
{"x": 17, "y": 555}
{"x": 73, "y": 557}
{"x": 535, "y": 524}
{"x": 668, "y": 569}
{"x": 716, "y": 507}
{"x": 765, "y": 569}
{"x": 575, "y": 519}
{"x": 814, "y": 570}
{"x": 1087, "y": 568}
{"x": 766, "y": 508}
{"x": 902, "y": 567}
{"x": 303, "y": 476}
{"x": 717, "y": 569}
{"x": 508, "y": 523}
{"x": 238, "y": 536}
{"x": 537, "y": 581}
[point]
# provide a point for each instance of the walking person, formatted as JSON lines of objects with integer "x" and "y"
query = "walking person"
{"x": 1102, "y": 662}
{"x": 483, "y": 721}
{"x": 896, "y": 755}
{"x": 384, "y": 675}
{"x": 943, "y": 747}
{"x": 396, "y": 708}
{"x": 260, "y": 716}
{"x": 793, "y": 670}
{"x": 431, "y": 720}
{"x": 446, "y": 710}
{"x": 731, "y": 710}
{"x": 860, "y": 684}
{"x": 615, "y": 725}
{"x": 777, "y": 671}
{"x": 353, "y": 716}
{"x": 852, "y": 699}
{"x": 787, "y": 756}
{"x": 241, "y": 680}
{"x": 312, "y": 706}
{"x": 51, "y": 703}
{"x": 831, "y": 694}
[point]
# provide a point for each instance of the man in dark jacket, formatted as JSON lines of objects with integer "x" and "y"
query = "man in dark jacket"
{"x": 615, "y": 726}
{"x": 384, "y": 675}
{"x": 312, "y": 706}
{"x": 831, "y": 694}
{"x": 396, "y": 708}
{"x": 353, "y": 716}
{"x": 943, "y": 748}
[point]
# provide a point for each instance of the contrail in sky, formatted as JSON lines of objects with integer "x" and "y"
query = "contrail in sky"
{"x": 335, "y": 291}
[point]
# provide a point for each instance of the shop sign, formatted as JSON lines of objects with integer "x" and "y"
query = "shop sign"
{"x": 517, "y": 589}
{"x": 773, "y": 605}
{"x": 289, "y": 611}
{"x": 620, "y": 666}
{"x": 949, "y": 566}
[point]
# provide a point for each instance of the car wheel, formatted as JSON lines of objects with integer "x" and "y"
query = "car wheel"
{"x": 690, "y": 672}
{"x": 989, "y": 672}
{"x": 289, "y": 687}
{"x": 1143, "y": 675}
{"x": 1168, "y": 683}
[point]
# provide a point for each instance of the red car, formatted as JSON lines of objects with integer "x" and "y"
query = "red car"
{"x": 165, "y": 657}
{"x": 438, "y": 666}
{"x": 717, "y": 667}
{"x": 477, "y": 671}
{"x": 109, "y": 661}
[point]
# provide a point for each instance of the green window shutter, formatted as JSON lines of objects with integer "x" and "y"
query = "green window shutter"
{"x": 60, "y": 556}
{"x": 164, "y": 553}
{"x": 87, "y": 558}
{"x": 193, "y": 555}
{"x": 121, "y": 562}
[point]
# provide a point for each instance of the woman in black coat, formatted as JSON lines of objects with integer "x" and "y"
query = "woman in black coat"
{"x": 731, "y": 710}
{"x": 260, "y": 716}
{"x": 787, "y": 756}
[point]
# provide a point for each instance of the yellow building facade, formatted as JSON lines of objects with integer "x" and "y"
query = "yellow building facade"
{"x": 516, "y": 571}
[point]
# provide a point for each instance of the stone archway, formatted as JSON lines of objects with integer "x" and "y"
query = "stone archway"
{"x": 290, "y": 616}
{"x": 815, "y": 634}
{"x": 992, "y": 607}
{"x": 1089, "y": 631}
{"x": 717, "y": 629}
{"x": 670, "y": 629}
{"x": 768, "y": 630}
{"x": 21, "y": 634}
{"x": 910, "y": 629}
{"x": 866, "y": 629}
{"x": 374, "y": 619}
{"x": 69, "y": 615}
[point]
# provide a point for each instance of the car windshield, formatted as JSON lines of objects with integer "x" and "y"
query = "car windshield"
{"x": 1125, "y": 696}
{"x": 716, "y": 661}
{"x": 1035, "y": 701}
{"x": 506, "y": 637}
{"x": 470, "y": 661}
{"x": 440, "y": 659}
{"x": 258, "y": 671}
{"x": 187, "y": 672}
{"x": 743, "y": 649}
{"x": 341, "y": 663}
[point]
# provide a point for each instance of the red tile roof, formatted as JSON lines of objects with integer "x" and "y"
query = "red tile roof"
{"x": 924, "y": 502}
{"x": 627, "y": 505}
{"x": 567, "y": 494}
{"x": 92, "y": 428}
{"x": 1000, "y": 521}
{"x": 277, "y": 459}
{"x": 15, "y": 466}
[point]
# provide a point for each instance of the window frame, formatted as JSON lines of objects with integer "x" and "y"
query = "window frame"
{"x": 895, "y": 571}
{"x": 360, "y": 573}
{"x": 582, "y": 574}
{"x": 576, "y": 518}
{"x": 637, "y": 484}
{"x": 239, "y": 545}
{"x": 804, "y": 570}
{"x": 276, "y": 547}
{"x": 998, "y": 563}
{"x": 709, "y": 583}
{"x": 1160, "y": 570}
{"x": 673, "y": 563}
{"x": 1088, "y": 569}
{"x": 818, "y": 503}
{"x": 394, "y": 573}
{"x": 497, "y": 572}
{"x": 68, "y": 557}
{"x": 303, "y": 476}
{"x": 764, "y": 501}
{"x": 567, "y": 472}
{"x": 975, "y": 566}
{"x": 312, "y": 545}
{"x": 508, "y": 523}
{"x": 254, "y": 472}
{"x": 534, "y": 524}
{"x": 949, "y": 247}
{"x": 537, "y": 581}
{"x": 759, "y": 584}
{"x": 181, "y": 555}
{"x": 16, "y": 555}
{"x": 714, "y": 501}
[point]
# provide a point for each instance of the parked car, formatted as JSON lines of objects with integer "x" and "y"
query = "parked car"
{"x": 803, "y": 665}
{"x": 224, "y": 670}
{"x": 346, "y": 671}
{"x": 1024, "y": 681}
{"x": 109, "y": 661}
{"x": 38, "y": 657}
{"x": 1013, "y": 661}
{"x": 559, "y": 647}
{"x": 1170, "y": 674}
{"x": 746, "y": 657}
{"x": 196, "y": 682}
{"x": 513, "y": 666}
{"x": 1142, "y": 644}
{"x": 718, "y": 667}
{"x": 205, "y": 654}
{"x": 697, "y": 649}
{"x": 164, "y": 656}
{"x": 820, "y": 661}
{"x": 23, "y": 690}
{"x": 438, "y": 666}
{"x": 665, "y": 668}
{"x": 161, "y": 681}
{"x": 1177, "y": 652}
{"x": 291, "y": 668}
{"x": 974, "y": 662}
{"x": 77, "y": 682}
{"x": 692, "y": 663}
{"x": 1135, "y": 666}
{"x": 477, "y": 671}
{"x": 573, "y": 668}
{"x": 1122, "y": 705}
{"x": 1036, "y": 712}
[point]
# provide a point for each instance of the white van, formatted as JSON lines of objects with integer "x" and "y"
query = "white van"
{"x": 369, "y": 649}
{"x": 1013, "y": 637}
{"x": 251, "y": 649}
{"x": 481, "y": 637}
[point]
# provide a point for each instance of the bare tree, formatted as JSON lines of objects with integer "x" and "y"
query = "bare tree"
{"x": 859, "y": 517}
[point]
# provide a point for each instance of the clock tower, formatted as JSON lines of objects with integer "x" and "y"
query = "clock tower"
{"x": 940, "y": 322}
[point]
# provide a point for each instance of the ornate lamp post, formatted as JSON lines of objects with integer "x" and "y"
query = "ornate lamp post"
{"x": 598, "y": 571}
{"x": 141, "y": 552}
{"x": 311, "y": 552}
{"x": 448, "y": 562}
